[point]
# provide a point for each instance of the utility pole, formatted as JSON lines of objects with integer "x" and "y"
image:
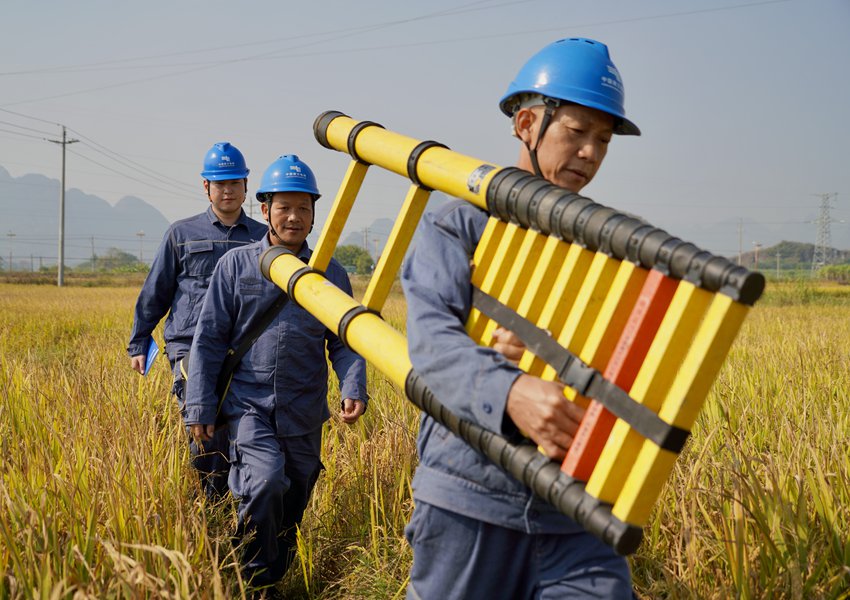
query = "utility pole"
{"x": 757, "y": 246}
{"x": 10, "y": 235}
{"x": 777, "y": 264}
{"x": 92, "y": 254}
{"x": 366, "y": 239}
{"x": 377, "y": 255}
{"x": 60, "y": 277}
{"x": 141, "y": 235}
{"x": 740, "y": 240}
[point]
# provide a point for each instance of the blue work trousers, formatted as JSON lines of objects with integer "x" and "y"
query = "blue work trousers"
{"x": 273, "y": 478}
{"x": 455, "y": 557}
{"x": 211, "y": 462}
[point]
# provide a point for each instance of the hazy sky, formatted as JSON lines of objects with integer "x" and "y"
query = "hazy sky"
{"x": 743, "y": 104}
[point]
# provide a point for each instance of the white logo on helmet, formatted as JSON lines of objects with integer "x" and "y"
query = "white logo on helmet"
{"x": 614, "y": 82}
{"x": 295, "y": 171}
{"x": 225, "y": 162}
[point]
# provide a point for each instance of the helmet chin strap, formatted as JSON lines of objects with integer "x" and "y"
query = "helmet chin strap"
{"x": 269, "y": 220}
{"x": 551, "y": 105}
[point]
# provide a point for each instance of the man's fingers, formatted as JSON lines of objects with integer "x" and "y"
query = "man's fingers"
{"x": 137, "y": 363}
{"x": 557, "y": 445}
{"x": 508, "y": 344}
{"x": 351, "y": 410}
{"x": 201, "y": 433}
{"x": 574, "y": 411}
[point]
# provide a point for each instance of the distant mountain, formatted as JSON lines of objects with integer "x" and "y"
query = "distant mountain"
{"x": 30, "y": 224}
{"x": 789, "y": 256}
{"x": 30, "y": 209}
{"x": 730, "y": 236}
{"x": 374, "y": 237}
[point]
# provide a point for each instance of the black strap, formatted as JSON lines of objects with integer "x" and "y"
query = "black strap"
{"x": 413, "y": 161}
{"x": 231, "y": 361}
{"x": 584, "y": 379}
{"x": 551, "y": 106}
{"x": 352, "y": 138}
{"x": 346, "y": 320}
{"x": 234, "y": 356}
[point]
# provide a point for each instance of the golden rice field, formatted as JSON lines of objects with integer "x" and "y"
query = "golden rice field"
{"x": 97, "y": 499}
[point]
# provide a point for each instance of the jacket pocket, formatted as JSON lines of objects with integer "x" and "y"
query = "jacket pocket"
{"x": 200, "y": 259}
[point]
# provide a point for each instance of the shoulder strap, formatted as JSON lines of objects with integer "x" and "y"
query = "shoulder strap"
{"x": 234, "y": 356}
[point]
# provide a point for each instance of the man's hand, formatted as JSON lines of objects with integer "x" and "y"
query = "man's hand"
{"x": 542, "y": 412}
{"x": 351, "y": 410}
{"x": 508, "y": 344}
{"x": 201, "y": 433}
{"x": 137, "y": 363}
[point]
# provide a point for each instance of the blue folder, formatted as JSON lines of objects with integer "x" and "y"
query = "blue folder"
{"x": 153, "y": 352}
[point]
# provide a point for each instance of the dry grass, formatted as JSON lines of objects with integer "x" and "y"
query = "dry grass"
{"x": 97, "y": 499}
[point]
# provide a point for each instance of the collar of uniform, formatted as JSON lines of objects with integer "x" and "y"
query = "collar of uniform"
{"x": 304, "y": 253}
{"x": 242, "y": 220}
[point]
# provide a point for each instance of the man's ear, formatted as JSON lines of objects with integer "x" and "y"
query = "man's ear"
{"x": 264, "y": 208}
{"x": 524, "y": 120}
{"x": 207, "y": 188}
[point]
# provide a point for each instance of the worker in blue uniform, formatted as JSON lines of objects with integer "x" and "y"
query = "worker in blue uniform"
{"x": 178, "y": 280}
{"x": 277, "y": 399}
{"x": 476, "y": 532}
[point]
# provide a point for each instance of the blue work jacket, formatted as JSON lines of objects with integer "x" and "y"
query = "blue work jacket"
{"x": 284, "y": 375}
{"x": 470, "y": 380}
{"x": 180, "y": 274}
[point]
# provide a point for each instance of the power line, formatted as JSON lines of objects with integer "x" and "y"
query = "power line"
{"x": 12, "y": 112}
{"x": 27, "y": 128}
{"x": 101, "y": 149}
{"x": 360, "y": 29}
{"x": 217, "y": 63}
{"x": 27, "y": 135}
{"x": 143, "y": 182}
{"x": 127, "y": 162}
{"x": 39, "y": 239}
{"x": 366, "y": 29}
{"x": 276, "y": 54}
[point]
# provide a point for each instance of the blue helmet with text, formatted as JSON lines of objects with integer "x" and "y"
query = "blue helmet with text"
{"x": 572, "y": 70}
{"x": 287, "y": 174}
{"x": 224, "y": 161}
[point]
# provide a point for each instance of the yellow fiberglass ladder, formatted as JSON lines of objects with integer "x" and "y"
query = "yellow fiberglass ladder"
{"x": 636, "y": 322}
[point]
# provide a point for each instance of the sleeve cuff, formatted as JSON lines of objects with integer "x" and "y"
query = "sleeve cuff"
{"x": 355, "y": 392}
{"x": 199, "y": 415}
{"x": 490, "y": 406}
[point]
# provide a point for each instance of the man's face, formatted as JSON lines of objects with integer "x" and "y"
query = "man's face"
{"x": 291, "y": 215}
{"x": 227, "y": 196}
{"x": 573, "y": 146}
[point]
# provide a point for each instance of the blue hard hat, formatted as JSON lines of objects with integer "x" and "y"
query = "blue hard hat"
{"x": 224, "y": 162}
{"x": 288, "y": 174}
{"x": 577, "y": 70}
